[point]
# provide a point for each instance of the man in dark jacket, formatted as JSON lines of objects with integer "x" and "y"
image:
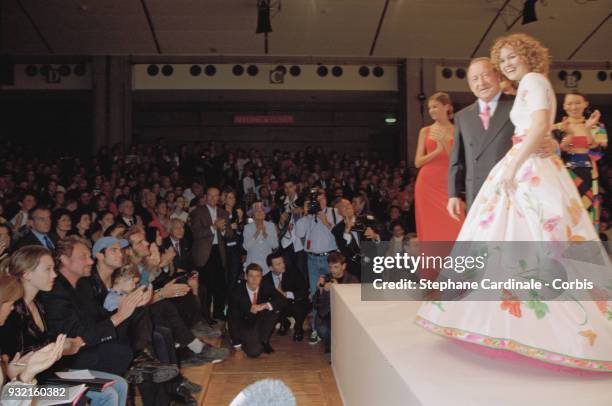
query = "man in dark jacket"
{"x": 289, "y": 283}
{"x": 337, "y": 274}
{"x": 254, "y": 311}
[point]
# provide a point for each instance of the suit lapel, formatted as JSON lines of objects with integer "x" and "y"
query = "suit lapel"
{"x": 501, "y": 117}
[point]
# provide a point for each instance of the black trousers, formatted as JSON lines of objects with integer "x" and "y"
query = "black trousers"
{"x": 234, "y": 265}
{"x": 213, "y": 286}
{"x": 298, "y": 309}
{"x": 296, "y": 260}
{"x": 166, "y": 315}
{"x": 252, "y": 334}
{"x": 188, "y": 307}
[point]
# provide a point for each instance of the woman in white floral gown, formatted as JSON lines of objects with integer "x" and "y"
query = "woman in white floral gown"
{"x": 529, "y": 198}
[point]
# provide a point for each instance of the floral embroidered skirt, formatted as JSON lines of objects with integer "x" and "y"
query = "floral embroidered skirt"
{"x": 546, "y": 206}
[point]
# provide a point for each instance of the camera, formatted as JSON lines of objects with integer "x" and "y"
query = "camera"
{"x": 328, "y": 278}
{"x": 313, "y": 203}
{"x": 363, "y": 222}
{"x": 185, "y": 277}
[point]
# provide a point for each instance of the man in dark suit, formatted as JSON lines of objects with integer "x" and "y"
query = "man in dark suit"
{"x": 182, "y": 261}
{"x": 39, "y": 223}
{"x": 292, "y": 286}
{"x": 208, "y": 225}
{"x": 126, "y": 213}
{"x": 483, "y": 136}
{"x": 254, "y": 311}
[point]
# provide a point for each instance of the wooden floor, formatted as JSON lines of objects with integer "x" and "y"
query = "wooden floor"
{"x": 301, "y": 366}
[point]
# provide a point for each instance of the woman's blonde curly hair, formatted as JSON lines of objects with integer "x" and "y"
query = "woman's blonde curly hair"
{"x": 531, "y": 51}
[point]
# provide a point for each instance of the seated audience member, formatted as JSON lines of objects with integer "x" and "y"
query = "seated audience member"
{"x": 81, "y": 224}
{"x": 6, "y": 239}
{"x": 26, "y": 327}
{"x": 39, "y": 223}
{"x": 337, "y": 274}
{"x": 126, "y": 214}
{"x": 291, "y": 285}
{"x": 104, "y": 220}
{"x": 26, "y": 203}
{"x": 169, "y": 298}
{"x": 254, "y": 311}
{"x": 124, "y": 282}
{"x": 61, "y": 224}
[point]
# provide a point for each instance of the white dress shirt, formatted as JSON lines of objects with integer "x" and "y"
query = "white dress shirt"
{"x": 213, "y": 216}
{"x": 492, "y": 104}
{"x": 256, "y": 292}
{"x": 277, "y": 284}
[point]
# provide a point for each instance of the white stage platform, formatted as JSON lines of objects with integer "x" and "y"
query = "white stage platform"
{"x": 380, "y": 357}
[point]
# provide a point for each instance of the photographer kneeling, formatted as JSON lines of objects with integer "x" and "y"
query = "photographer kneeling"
{"x": 337, "y": 274}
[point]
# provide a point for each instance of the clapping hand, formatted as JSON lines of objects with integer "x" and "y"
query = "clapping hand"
{"x": 593, "y": 119}
{"x": 42, "y": 359}
{"x": 72, "y": 345}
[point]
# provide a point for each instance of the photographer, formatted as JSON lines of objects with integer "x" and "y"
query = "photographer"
{"x": 315, "y": 229}
{"x": 337, "y": 274}
{"x": 350, "y": 232}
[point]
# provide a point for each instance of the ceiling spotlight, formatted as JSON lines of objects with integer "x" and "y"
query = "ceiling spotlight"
{"x": 45, "y": 69}
{"x": 152, "y": 70}
{"x": 64, "y": 70}
{"x": 577, "y": 74}
{"x": 32, "y": 70}
{"x": 210, "y": 70}
{"x": 322, "y": 71}
{"x": 378, "y": 71}
{"x": 295, "y": 70}
{"x": 460, "y": 73}
{"x": 282, "y": 69}
{"x": 167, "y": 70}
{"x": 195, "y": 70}
{"x": 337, "y": 71}
{"x": 529, "y": 13}
{"x": 80, "y": 69}
{"x": 602, "y": 76}
{"x": 562, "y": 75}
{"x": 238, "y": 70}
{"x": 447, "y": 73}
{"x": 277, "y": 75}
{"x": 252, "y": 70}
{"x": 364, "y": 71}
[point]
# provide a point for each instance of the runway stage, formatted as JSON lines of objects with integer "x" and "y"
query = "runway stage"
{"x": 380, "y": 357}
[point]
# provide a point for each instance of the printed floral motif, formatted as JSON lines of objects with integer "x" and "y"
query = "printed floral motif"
{"x": 575, "y": 211}
{"x": 590, "y": 335}
{"x": 511, "y": 304}
{"x": 519, "y": 348}
{"x": 540, "y": 308}
{"x": 551, "y": 224}
{"x": 487, "y": 221}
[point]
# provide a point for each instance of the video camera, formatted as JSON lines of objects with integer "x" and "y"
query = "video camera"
{"x": 313, "y": 201}
{"x": 363, "y": 222}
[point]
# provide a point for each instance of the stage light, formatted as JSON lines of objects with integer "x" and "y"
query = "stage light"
{"x": 282, "y": 69}
{"x": 80, "y": 69}
{"x": 577, "y": 74}
{"x": 210, "y": 70}
{"x": 364, "y": 71}
{"x": 295, "y": 70}
{"x": 64, "y": 70}
{"x": 378, "y": 71}
{"x": 460, "y": 73}
{"x": 602, "y": 76}
{"x": 390, "y": 120}
{"x": 529, "y": 13}
{"x": 277, "y": 75}
{"x": 252, "y": 70}
{"x": 167, "y": 70}
{"x": 263, "y": 17}
{"x": 153, "y": 70}
{"x": 322, "y": 71}
{"x": 238, "y": 70}
{"x": 447, "y": 73}
{"x": 32, "y": 70}
{"x": 337, "y": 71}
{"x": 562, "y": 75}
{"x": 195, "y": 70}
{"x": 44, "y": 70}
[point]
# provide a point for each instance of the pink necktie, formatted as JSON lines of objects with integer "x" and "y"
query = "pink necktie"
{"x": 485, "y": 116}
